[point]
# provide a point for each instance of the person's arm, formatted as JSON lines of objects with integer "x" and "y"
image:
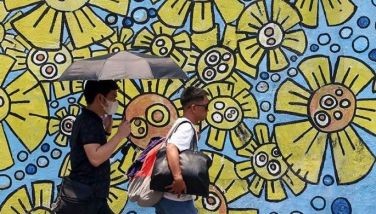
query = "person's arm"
{"x": 178, "y": 185}
{"x": 98, "y": 154}
{"x": 180, "y": 140}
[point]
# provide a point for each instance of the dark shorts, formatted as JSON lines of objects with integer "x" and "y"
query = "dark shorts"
{"x": 95, "y": 206}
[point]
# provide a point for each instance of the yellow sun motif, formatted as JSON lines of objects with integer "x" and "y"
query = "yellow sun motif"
{"x": 23, "y": 108}
{"x": 336, "y": 12}
{"x": 269, "y": 36}
{"x": 44, "y": 24}
{"x": 118, "y": 197}
{"x": 218, "y": 61}
{"x": 163, "y": 41}
{"x": 36, "y": 200}
{"x": 119, "y": 41}
{"x": 62, "y": 124}
{"x": 266, "y": 169}
{"x": 175, "y": 12}
{"x": 227, "y": 110}
{"x": 225, "y": 187}
{"x": 47, "y": 65}
{"x": 332, "y": 110}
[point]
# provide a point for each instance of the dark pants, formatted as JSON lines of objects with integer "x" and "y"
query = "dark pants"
{"x": 94, "y": 206}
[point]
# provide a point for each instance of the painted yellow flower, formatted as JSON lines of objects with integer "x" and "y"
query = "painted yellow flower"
{"x": 225, "y": 187}
{"x": 23, "y": 108}
{"x": 266, "y": 169}
{"x": 227, "y": 110}
{"x": 218, "y": 61}
{"x": 118, "y": 197}
{"x": 119, "y": 41}
{"x": 332, "y": 110}
{"x": 62, "y": 124}
{"x": 163, "y": 41}
{"x": 175, "y": 12}
{"x": 5, "y": 20}
{"x": 269, "y": 35}
{"x": 38, "y": 199}
{"x": 43, "y": 25}
{"x": 336, "y": 12}
{"x": 47, "y": 65}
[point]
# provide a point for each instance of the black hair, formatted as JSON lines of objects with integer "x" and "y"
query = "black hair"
{"x": 93, "y": 88}
{"x": 192, "y": 94}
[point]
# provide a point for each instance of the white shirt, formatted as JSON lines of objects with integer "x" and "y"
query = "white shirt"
{"x": 181, "y": 138}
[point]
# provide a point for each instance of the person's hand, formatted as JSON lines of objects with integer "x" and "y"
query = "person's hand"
{"x": 124, "y": 129}
{"x": 107, "y": 123}
{"x": 177, "y": 187}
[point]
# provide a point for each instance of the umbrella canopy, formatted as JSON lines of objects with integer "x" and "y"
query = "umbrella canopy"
{"x": 123, "y": 65}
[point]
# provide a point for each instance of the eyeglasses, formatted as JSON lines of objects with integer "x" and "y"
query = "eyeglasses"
{"x": 206, "y": 106}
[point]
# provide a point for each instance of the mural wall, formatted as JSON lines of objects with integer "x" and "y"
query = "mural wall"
{"x": 292, "y": 119}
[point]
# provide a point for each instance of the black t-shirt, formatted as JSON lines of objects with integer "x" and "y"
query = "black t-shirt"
{"x": 88, "y": 128}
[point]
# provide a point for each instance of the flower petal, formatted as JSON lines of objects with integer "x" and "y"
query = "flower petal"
{"x": 53, "y": 126}
{"x": 243, "y": 67}
{"x": 61, "y": 139}
{"x": 86, "y": 28}
{"x": 337, "y": 12}
{"x": 294, "y": 182}
{"x": 248, "y": 104}
{"x": 65, "y": 167}
{"x": 63, "y": 89}
{"x": 304, "y": 143}
{"x": 222, "y": 175}
{"x": 144, "y": 39}
{"x": 125, "y": 35}
{"x": 295, "y": 41}
{"x": 365, "y": 115}
{"x": 14, "y": 4}
{"x": 159, "y": 28}
{"x": 42, "y": 27}
{"x": 256, "y": 185}
{"x": 119, "y": 6}
{"x": 117, "y": 177}
{"x": 239, "y": 140}
{"x": 174, "y": 12}
{"x": 253, "y": 17}
{"x": 74, "y": 110}
{"x": 284, "y": 14}
{"x": 216, "y": 138}
{"x": 5, "y": 153}
{"x": 292, "y": 98}
{"x": 277, "y": 60}
{"x": 117, "y": 199}
{"x": 275, "y": 191}
{"x": 207, "y": 39}
{"x": 178, "y": 57}
{"x": 6, "y": 64}
{"x": 309, "y": 11}
{"x": 316, "y": 71}
{"x": 232, "y": 13}
{"x": 353, "y": 73}
{"x": 30, "y": 126}
{"x": 251, "y": 51}
{"x": 262, "y": 133}
{"x": 202, "y": 16}
{"x": 182, "y": 40}
{"x": 244, "y": 169}
{"x": 231, "y": 37}
{"x": 17, "y": 202}
{"x": 42, "y": 194}
{"x": 240, "y": 82}
{"x": 248, "y": 150}
{"x": 352, "y": 159}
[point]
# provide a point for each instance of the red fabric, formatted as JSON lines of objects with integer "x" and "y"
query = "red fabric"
{"x": 147, "y": 166}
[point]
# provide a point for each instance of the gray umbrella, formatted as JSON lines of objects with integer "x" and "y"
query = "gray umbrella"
{"x": 123, "y": 65}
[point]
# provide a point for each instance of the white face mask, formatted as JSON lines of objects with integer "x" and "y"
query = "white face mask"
{"x": 111, "y": 107}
